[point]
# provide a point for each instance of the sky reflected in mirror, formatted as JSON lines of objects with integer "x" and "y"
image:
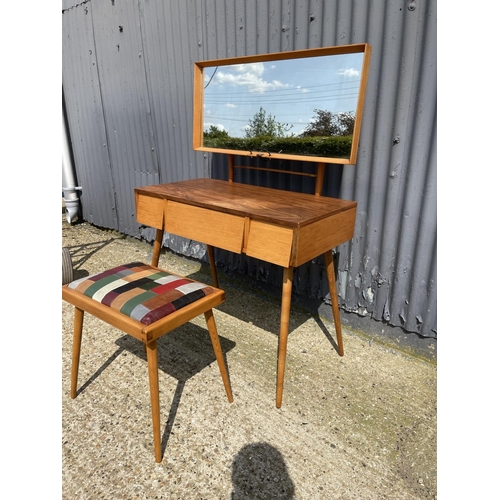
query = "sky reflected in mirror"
{"x": 289, "y": 91}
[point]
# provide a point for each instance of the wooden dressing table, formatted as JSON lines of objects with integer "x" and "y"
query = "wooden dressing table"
{"x": 280, "y": 227}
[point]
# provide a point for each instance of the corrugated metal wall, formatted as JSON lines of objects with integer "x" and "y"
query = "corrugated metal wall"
{"x": 127, "y": 81}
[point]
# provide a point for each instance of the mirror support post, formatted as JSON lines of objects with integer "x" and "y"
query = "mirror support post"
{"x": 230, "y": 167}
{"x": 320, "y": 173}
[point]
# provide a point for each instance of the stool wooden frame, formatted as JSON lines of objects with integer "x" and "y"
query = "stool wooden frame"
{"x": 148, "y": 335}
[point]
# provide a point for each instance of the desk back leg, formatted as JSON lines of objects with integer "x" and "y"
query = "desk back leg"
{"x": 213, "y": 268}
{"x": 157, "y": 247}
{"x": 332, "y": 285}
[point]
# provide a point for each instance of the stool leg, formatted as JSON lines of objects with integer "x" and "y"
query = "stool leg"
{"x": 152, "y": 353}
{"x": 77, "y": 343}
{"x": 214, "y": 337}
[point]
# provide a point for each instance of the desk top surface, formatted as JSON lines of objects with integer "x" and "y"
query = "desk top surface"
{"x": 276, "y": 206}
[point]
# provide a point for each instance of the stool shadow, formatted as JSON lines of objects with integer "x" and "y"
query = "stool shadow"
{"x": 182, "y": 354}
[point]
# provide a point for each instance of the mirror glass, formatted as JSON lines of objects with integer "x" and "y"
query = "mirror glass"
{"x": 307, "y": 104}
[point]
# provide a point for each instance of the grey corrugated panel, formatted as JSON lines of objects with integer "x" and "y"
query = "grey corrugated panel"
{"x": 126, "y": 103}
{"x": 417, "y": 242}
{"x": 388, "y": 270}
{"x": 171, "y": 40}
{"x": 86, "y": 118}
{"x": 390, "y": 175}
{"x": 162, "y": 74}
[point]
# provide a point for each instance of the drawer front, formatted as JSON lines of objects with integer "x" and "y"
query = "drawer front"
{"x": 317, "y": 238}
{"x": 270, "y": 243}
{"x": 213, "y": 228}
{"x": 149, "y": 210}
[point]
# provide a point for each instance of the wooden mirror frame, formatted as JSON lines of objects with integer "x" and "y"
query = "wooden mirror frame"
{"x": 198, "y": 100}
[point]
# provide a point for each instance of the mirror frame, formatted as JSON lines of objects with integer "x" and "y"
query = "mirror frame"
{"x": 198, "y": 118}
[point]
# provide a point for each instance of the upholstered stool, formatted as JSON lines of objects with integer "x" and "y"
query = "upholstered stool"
{"x": 145, "y": 302}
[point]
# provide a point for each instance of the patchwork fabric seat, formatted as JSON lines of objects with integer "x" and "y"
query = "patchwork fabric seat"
{"x": 146, "y": 302}
{"x": 140, "y": 291}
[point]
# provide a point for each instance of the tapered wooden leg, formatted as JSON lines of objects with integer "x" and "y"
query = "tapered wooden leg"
{"x": 214, "y": 337}
{"x": 320, "y": 174}
{"x": 213, "y": 268}
{"x": 152, "y": 353}
{"x": 157, "y": 247}
{"x": 332, "y": 285}
{"x": 286, "y": 299}
{"x": 77, "y": 343}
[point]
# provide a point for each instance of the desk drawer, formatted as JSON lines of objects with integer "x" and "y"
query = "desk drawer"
{"x": 149, "y": 210}
{"x": 269, "y": 242}
{"x": 321, "y": 236}
{"x": 213, "y": 228}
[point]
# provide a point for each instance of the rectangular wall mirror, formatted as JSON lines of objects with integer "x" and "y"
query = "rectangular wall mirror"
{"x": 299, "y": 105}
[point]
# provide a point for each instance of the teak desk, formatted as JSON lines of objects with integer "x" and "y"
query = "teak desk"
{"x": 280, "y": 227}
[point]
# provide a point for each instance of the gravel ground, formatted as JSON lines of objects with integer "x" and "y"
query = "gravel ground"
{"x": 362, "y": 426}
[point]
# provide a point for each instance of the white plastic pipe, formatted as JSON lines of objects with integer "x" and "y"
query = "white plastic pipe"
{"x": 68, "y": 177}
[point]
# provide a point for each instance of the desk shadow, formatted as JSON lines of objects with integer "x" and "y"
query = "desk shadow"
{"x": 259, "y": 472}
{"x": 182, "y": 354}
{"x": 326, "y": 332}
{"x": 260, "y": 304}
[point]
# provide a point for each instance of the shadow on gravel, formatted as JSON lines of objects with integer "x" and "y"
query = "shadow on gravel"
{"x": 81, "y": 253}
{"x": 182, "y": 354}
{"x": 259, "y": 471}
